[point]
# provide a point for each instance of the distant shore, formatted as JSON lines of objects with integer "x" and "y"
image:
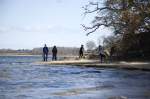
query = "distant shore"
{"x": 18, "y": 55}
{"x": 65, "y": 56}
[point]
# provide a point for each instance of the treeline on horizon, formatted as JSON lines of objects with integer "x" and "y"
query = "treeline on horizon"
{"x": 38, "y": 51}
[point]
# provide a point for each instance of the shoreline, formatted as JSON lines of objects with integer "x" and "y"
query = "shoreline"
{"x": 74, "y": 61}
{"x": 95, "y": 63}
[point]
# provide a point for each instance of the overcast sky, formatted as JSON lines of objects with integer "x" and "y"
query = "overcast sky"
{"x": 32, "y": 23}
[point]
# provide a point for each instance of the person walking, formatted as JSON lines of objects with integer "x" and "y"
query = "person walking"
{"x": 45, "y": 53}
{"x": 54, "y": 53}
{"x": 81, "y": 51}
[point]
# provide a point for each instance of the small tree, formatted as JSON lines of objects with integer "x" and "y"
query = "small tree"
{"x": 90, "y": 45}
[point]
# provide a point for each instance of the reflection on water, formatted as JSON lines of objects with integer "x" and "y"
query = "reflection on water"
{"x": 21, "y": 79}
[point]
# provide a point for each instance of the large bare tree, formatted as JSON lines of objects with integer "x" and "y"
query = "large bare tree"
{"x": 124, "y": 16}
{"x": 127, "y": 18}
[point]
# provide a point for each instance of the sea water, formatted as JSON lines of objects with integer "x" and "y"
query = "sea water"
{"x": 21, "y": 78}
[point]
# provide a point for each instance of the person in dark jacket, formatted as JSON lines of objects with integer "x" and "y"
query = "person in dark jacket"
{"x": 54, "y": 52}
{"x": 112, "y": 50}
{"x": 45, "y": 53}
{"x": 81, "y": 51}
{"x": 101, "y": 53}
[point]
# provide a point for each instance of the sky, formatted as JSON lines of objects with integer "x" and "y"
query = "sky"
{"x": 26, "y": 24}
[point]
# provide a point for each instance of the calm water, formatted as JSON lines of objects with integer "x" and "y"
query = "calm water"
{"x": 20, "y": 78}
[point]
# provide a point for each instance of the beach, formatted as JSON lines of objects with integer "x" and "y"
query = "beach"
{"x": 96, "y": 63}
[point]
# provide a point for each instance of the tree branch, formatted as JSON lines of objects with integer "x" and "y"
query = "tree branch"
{"x": 92, "y": 31}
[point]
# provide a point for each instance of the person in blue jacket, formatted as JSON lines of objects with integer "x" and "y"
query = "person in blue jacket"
{"x": 45, "y": 53}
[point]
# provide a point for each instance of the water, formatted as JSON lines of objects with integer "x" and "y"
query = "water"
{"x": 20, "y": 78}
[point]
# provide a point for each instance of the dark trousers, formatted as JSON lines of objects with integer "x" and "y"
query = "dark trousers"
{"x": 80, "y": 55}
{"x": 45, "y": 56}
{"x": 54, "y": 57}
{"x": 102, "y": 57}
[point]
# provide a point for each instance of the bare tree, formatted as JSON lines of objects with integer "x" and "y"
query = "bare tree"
{"x": 90, "y": 45}
{"x": 124, "y": 16}
{"x": 127, "y": 18}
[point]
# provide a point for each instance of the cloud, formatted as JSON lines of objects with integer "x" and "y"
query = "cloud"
{"x": 59, "y": 1}
{"x": 4, "y": 29}
{"x": 25, "y": 29}
{"x": 38, "y": 29}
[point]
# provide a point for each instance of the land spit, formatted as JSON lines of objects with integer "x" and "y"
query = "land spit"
{"x": 96, "y": 63}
